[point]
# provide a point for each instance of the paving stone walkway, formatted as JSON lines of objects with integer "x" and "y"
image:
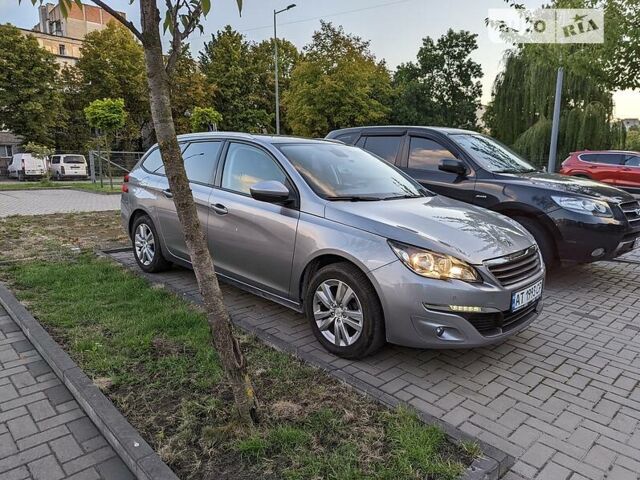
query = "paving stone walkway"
{"x": 562, "y": 397}
{"x": 44, "y": 434}
{"x": 42, "y": 202}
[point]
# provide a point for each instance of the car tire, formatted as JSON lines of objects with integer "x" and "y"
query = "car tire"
{"x": 20, "y": 177}
{"x": 357, "y": 307}
{"x": 146, "y": 246}
{"x": 542, "y": 238}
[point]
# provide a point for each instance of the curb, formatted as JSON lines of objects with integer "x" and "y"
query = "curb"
{"x": 137, "y": 454}
{"x": 491, "y": 466}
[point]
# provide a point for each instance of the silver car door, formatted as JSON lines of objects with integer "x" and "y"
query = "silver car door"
{"x": 252, "y": 241}
{"x": 200, "y": 160}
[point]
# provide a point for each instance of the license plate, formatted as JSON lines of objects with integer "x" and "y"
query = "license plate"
{"x": 526, "y": 296}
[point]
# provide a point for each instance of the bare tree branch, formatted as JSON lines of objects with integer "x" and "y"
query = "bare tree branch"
{"x": 177, "y": 36}
{"x": 120, "y": 18}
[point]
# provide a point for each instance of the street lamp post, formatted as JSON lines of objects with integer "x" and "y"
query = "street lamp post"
{"x": 275, "y": 44}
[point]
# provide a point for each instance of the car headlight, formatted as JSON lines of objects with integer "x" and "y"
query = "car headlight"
{"x": 584, "y": 205}
{"x": 434, "y": 265}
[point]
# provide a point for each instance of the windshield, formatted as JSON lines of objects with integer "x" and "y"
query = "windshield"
{"x": 341, "y": 172}
{"x": 73, "y": 159}
{"x": 492, "y": 155}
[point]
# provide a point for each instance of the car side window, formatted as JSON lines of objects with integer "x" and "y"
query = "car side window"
{"x": 246, "y": 165}
{"x": 384, "y": 147}
{"x": 153, "y": 161}
{"x": 55, "y": 160}
{"x": 632, "y": 161}
{"x": 347, "y": 138}
{"x": 200, "y": 161}
{"x": 425, "y": 154}
{"x": 604, "y": 158}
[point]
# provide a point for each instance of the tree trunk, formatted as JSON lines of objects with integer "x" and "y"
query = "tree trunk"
{"x": 226, "y": 344}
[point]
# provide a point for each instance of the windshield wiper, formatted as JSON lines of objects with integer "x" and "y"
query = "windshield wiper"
{"x": 398, "y": 197}
{"x": 354, "y": 198}
{"x": 530, "y": 170}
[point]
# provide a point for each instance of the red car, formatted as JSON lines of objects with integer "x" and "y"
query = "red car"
{"x": 615, "y": 167}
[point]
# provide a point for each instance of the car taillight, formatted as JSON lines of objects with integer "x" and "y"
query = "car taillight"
{"x": 125, "y": 187}
{"x": 22, "y": 163}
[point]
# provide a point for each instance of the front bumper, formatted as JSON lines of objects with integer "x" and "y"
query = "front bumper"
{"x": 416, "y": 313}
{"x": 586, "y": 238}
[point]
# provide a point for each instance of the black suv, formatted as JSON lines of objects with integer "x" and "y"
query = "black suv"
{"x": 572, "y": 219}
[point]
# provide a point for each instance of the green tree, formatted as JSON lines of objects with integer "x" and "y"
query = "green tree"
{"x": 189, "y": 90}
{"x": 204, "y": 119}
{"x": 182, "y": 19}
{"x": 227, "y": 63}
{"x": 338, "y": 83}
{"x": 442, "y": 87}
{"x": 523, "y": 97}
{"x": 29, "y": 102}
{"x": 263, "y": 63}
{"x": 112, "y": 65}
{"x": 76, "y": 133}
{"x": 633, "y": 140}
{"x": 107, "y": 115}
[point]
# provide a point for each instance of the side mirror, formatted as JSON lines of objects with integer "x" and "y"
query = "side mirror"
{"x": 452, "y": 165}
{"x": 270, "y": 191}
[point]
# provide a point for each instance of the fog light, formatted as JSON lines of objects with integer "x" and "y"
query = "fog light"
{"x": 464, "y": 308}
{"x": 439, "y": 331}
{"x": 598, "y": 252}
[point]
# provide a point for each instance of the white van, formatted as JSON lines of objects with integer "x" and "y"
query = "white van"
{"x": 68, "y": 166}
{"x": 24, "y": 166}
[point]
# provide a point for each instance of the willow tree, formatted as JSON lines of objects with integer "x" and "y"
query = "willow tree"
{"x": 523, "y": 99}
{"x": 182, "y": 18}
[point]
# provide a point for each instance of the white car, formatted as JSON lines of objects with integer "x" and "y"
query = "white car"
{"x": 24, "y": 166}
{"x": 68, "y": 166}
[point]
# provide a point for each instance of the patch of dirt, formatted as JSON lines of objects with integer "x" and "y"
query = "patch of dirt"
{"x": 59, "y": 235}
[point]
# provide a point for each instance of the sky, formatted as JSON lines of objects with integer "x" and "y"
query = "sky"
{"x": 395, "y": 28}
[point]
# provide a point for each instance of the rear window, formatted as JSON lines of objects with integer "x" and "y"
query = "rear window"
{"x": 73, "y": 159}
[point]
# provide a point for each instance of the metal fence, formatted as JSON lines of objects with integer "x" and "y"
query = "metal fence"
{"x": 105, "y": 166}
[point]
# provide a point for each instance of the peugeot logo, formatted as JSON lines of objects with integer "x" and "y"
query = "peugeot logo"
{"x": 638, "y": 211}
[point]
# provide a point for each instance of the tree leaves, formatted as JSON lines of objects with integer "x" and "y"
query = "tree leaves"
{"x": 107, "y": 115}
{"x": 29, "y": 99}
{"x": 442, "y": 87}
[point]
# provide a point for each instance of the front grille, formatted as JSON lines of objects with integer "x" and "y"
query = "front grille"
{"x": 515, "y": 268}
{"x": 631, "y": 211}
{"x": 489, "y": 324}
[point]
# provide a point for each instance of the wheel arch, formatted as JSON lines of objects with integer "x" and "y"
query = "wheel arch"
{"x": 134, "y": 215}
{"x": 329, "y": 257}
{"x": 513, "y": 210}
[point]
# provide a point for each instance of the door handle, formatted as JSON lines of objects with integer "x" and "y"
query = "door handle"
{"x": 219, "y": 209}
{"x": 167, "y": 193}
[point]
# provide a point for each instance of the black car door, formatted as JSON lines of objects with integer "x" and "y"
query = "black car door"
{"x": 421, "y": 158}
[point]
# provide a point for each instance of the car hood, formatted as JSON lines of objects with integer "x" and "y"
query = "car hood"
{"x": 574, "y": 185}
{"x": 437, "y": 223}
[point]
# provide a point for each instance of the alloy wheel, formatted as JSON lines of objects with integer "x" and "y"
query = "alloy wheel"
{"x": 338, "y": 313}
{"x": 145, "y": 244}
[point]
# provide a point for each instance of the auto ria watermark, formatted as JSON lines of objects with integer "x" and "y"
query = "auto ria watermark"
{"x": 546, "y": 25}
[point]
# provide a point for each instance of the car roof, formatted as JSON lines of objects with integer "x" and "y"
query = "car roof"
{"x": 381, "y": 128}
{"x": 272, "y": 139}
{"x": 605, "y": 151}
